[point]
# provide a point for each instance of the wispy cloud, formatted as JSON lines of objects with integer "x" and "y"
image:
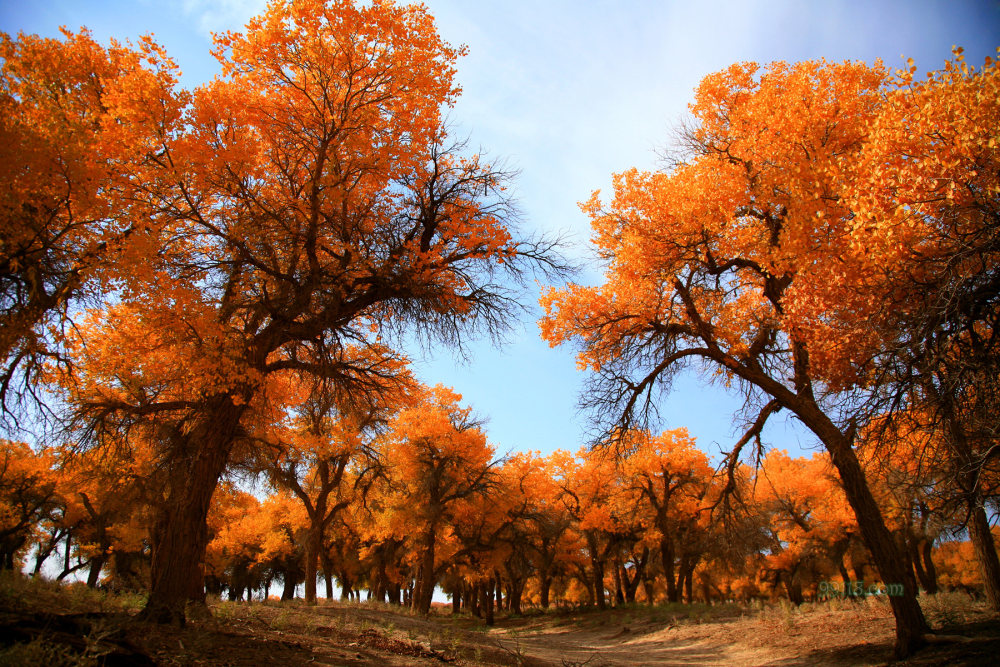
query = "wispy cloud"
{"x": 219, "y": 15}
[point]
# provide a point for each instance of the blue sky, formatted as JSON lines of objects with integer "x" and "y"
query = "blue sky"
{"x": 569, "y": 93}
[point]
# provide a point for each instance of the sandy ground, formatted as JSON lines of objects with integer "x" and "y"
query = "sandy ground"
{"x": 238, "y": 634}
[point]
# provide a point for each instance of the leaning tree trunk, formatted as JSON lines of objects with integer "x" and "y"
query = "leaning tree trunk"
{"x": 986, "y": 553}
{"x": 929, "y": 570}
{"x": 910, "y": 624}
{"x": 979, "y": 526}
{"x": 924, "y": 574}
{"x": 179, "y": 533}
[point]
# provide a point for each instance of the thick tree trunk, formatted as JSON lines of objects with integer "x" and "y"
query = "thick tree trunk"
{"x": 649, "y": 587}
{"x": 793, "y": 587}
{"x": 96, "y": 565}
{"x": 986, "y": 554}
{"x": 667, "y": 561}
{"x": 687, "y": 572}
{"x": 425, "y": 591}
{"x": 475, "y": 599}
{"x": 314, "y": 544}
{"x": 346, "y": 587}
{"x": 632, "y": 583}
{"x": 180, "y": 534}
{"x": 288, "y": 588}
{"x": 498, "y": 590}
{"x": 394, "y": 591}
{"x": 910, "y": 623}
{"x": 596, "y": 583}
{"x": 544, "y": 584}
{"x": 487, "y": 603}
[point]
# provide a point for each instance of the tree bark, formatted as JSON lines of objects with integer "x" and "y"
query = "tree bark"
{"x": 180, "y": 533}
{"x": 474, "y": 600}
{"x": 986, "y": 554}
{"x": 179, "y": 537}
{"x": 314, "y": 544}
{"x": 929, "y": 569}
{"x": 96, "y": 565}
{"x": 667, "y": 561}
{"x": 426, "y": 582}
{"x": 596, "y": 579}
{"x": 910, "y": 623}
{"x": 544, "y": 584}
{"x": 488, "y": 589}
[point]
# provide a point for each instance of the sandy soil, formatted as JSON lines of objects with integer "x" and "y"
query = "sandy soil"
{"x": 359, "y": 634}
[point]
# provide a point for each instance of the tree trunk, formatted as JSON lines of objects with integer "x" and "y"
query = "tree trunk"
{"x": 475, "y": 598}
{"x": 96, "y": 565}
{"x": 986, "y": 554}
{"x": 917, "y": 558}
{"x": 848, "y": 589}
{"x": 179, "y": 534}
{"x": 910, "y": 623}
{"x": 929, "y": 569}
{"x": 667, "y": 560}
{"x": 793, "y": 587}
{"x": 544, "y": 584}
{"x": 314, "y": 544}
{"x": 288, "y": 589}
{"x": 425, "y": 592}
{"x": 179, "y": 537}
{"x": 487, "y": 602}
{"x": 498, "y": 588}
{"x": 619, "y": 591}
{"x": 687, "y": 573}
{"x": 596, "y": 571}
{"x": 632, "y": 583}
{"x": 650, "y": 589}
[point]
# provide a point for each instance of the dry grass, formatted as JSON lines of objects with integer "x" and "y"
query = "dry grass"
{"x": 835, "y": 632}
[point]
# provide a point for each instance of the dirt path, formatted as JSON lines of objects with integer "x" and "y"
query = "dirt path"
{"x": 775, "y": 637}
{"x": 248, "y": 635}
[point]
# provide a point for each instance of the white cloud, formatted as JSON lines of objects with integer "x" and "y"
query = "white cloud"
{"x": 220, "y": 15}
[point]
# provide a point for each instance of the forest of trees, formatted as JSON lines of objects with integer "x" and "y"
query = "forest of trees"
{"x": 427, "y": 503}
{"x": 208, "y": 288}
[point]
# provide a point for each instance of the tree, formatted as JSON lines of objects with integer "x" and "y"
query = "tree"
{"x": 706, "y": 260}
{"x": 542, "y": 522}
{"x": 907, "y": 462}
{"x": 672, "y": 477}
{"x": 27, "y": 494}
{"x": 808, "y": 518}
{"x": 63, "y": 105}
{"x": 304, "y": 205}
{"x": 439, "y": 460}
{"x": 593, "y": 493}
{"x": 311, "y": 458}
{"x": 105, "y": 514}
{"x": 927, "y": 202}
